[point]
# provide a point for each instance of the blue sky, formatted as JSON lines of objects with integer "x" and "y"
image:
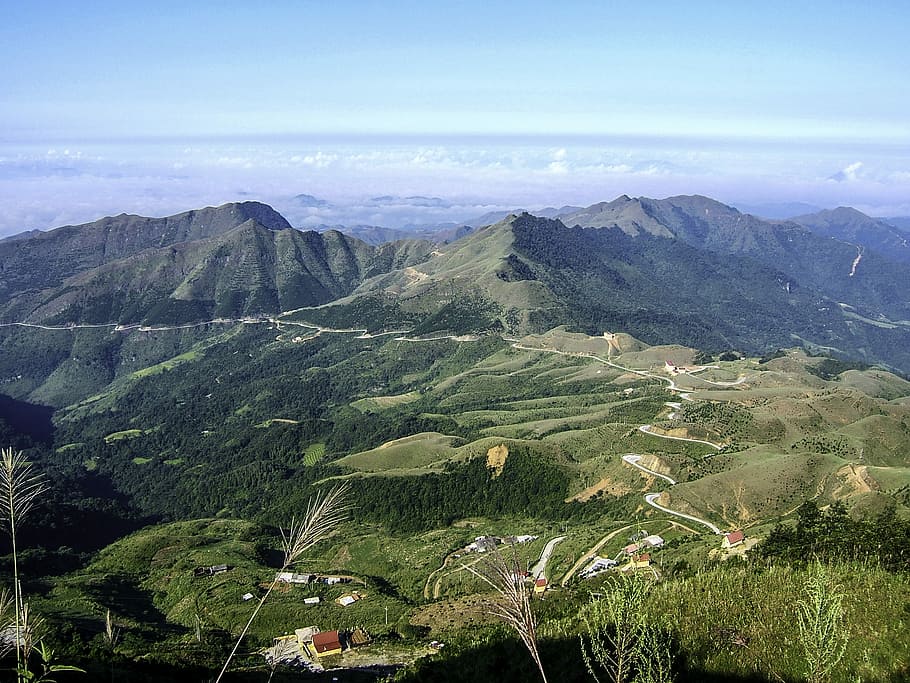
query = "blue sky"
{"x": 773, "y": 96}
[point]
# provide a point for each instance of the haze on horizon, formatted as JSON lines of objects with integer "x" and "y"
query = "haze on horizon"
{"x": 112, "y": 108}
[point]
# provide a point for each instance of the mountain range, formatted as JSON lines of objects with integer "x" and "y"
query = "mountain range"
{"x": 230, "y": 261}
{"x": 686, "y": 270}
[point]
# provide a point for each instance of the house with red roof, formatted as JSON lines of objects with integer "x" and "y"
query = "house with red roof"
{"x": 733, "y": 539}
{"x": 327, "y": 643}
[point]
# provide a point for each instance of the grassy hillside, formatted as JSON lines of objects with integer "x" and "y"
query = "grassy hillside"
{"x": 449, "y": 439}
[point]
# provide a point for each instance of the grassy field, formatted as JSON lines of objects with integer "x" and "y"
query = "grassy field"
{"x": 788, "y": 434}
{"x": 420, "y": 451}
{"x": 381, "y": 402}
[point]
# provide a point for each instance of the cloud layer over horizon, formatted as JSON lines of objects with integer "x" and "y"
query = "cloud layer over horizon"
{"x": 369, "y": 181}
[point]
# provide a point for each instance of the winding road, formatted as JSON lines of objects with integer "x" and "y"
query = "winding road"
{"x": 584, "y": 559}
{"x": 647, "y": 429}
{"x": 633, "y": 459}
{"x": 652, "y": 497}
{"x": 538, "y": 569}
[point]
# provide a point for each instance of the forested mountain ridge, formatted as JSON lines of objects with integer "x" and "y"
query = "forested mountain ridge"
{"x": 850, "y": 225}
{"x": 38, "y": 260}
{"x": 813, "y": 260}
{"x": 685, "y": 269}
{"x": 528, "y": 274}
{"x": 234, "y": 260}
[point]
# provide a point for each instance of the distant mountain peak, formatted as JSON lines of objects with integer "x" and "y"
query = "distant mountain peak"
{"x": 309, "y": 201}
{"x": 850, "y": 225}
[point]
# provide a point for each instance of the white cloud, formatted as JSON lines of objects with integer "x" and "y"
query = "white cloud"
{"x": 849, "y": 173}
{"x": 44, "y": 187}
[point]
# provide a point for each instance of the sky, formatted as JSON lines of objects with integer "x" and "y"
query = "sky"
{"x": 161, "y": 107}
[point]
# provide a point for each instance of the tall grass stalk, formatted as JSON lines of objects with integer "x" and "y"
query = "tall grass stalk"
{"x": 506, "y": 577}
{"x": 821, "y": 624}
{"x": 324, "y": 512}
{"x": 6, "y": 620}
{"x": 614, "y": 624}
{"x": 19, "y": 488}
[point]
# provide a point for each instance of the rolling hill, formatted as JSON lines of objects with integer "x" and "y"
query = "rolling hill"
{"x": 666, "y": 275}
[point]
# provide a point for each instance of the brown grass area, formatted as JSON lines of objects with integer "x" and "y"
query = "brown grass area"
{"x": 854, "y": 479}
{"x": 606, "y": 485}
{"x": 452, "y": 614}
{"x": 678, "y": 432}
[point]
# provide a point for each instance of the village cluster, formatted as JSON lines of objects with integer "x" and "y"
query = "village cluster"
{"x": 307, "y": 647}
{"x": 484, "y": 544}
{"x": 636, "y": 554}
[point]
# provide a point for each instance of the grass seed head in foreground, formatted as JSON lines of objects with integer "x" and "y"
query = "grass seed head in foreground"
{"x": 324, "y": 512}
{"x": 506, "y": 577}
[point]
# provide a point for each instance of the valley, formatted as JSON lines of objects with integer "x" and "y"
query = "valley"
{"x": 479, "y": 403}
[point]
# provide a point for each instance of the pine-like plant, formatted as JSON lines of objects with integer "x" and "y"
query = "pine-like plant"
{"x": 821, "y": 624}
{"x": 621, "y": 642}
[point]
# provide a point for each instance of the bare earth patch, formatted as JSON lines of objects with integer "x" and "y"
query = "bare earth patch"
{"x": 606, "y": 485}
{"x": 496, "y": 458}
{"x": 854, "y": 479}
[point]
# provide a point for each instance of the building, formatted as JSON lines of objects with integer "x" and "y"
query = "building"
{"x": 733, "y": 539}
{"x": 350, "y": 599}
{"x": 484, "y": 544}
{"x": 600, "y": 564}
{"x": 653, "y": 540}
{"x": 291, "y": 577}
{"x": 638, "y": 562}
{"x": 540, "y": 585}
{"x": 327, "y": 643}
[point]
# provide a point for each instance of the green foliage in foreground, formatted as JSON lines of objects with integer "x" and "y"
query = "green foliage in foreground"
{"x": 833, "y": 535}
{"x": 731, "y": 623}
